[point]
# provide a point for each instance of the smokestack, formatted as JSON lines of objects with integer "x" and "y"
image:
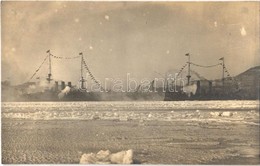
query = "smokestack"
{"x": 198, "y": 88}
{"x": 210, "y": 87}
{"x": 69, "y": 84}
{"x": 151, "y": 88}
{"x": 56, "y": 86}
{"x": 62, "y": 85}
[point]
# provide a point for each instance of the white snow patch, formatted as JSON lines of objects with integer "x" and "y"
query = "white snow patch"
{"x": 214, "y": 113}
{"x": 116, "y": 114}
{"x": 123, "y": 157}
{"x": 106, "y": 157}
{"x": 226, "y": 114}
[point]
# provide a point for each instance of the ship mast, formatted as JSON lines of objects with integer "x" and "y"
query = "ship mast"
{"x": 82, "y": 80}
{"x": 49, "y": 75}
{"x": 223, "y": 72}
{"x": 188, "y": 76}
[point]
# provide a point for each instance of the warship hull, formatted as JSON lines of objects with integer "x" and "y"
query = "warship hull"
{"x": 210, "y": 90}
{"x": 93, "y": 96}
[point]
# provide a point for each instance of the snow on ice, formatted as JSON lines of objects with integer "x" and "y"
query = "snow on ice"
{"x": 106, "y": 157}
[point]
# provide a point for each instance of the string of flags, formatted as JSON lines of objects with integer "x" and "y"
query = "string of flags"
{"x": 182, "y": 69}
{"x": 228, "y": 74}
{"x": 54, "y": 56}
{"x": 59, "y": 57}
{"x": 226, "y": 71}
{"x": 38, "y": 68}
{"x": 204, "y": 65}
{"x": 230, "y": 77}
{"x": 93, "y": 78}
{"x": 91, "y": 75}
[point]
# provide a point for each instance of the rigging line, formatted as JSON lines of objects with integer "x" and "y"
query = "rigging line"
{"x": 92, "y": 77}
{"x": 232, "y": 78}
{"x": 204, "y": 65}
{"x": 38, "y": 68}
{"x": 227, "y": 71}
{"x": 60, "y": 57}
{"x": 182, "y": 69}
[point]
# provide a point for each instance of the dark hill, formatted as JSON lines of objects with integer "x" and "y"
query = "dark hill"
{"x": 249, "y": 83}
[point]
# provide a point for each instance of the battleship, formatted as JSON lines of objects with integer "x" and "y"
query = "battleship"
{"x": 54, "y": 90}
{"x": 242, "y": 87}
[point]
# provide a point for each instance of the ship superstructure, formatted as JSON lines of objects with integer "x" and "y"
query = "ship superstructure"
{"x": 203, "y": 89}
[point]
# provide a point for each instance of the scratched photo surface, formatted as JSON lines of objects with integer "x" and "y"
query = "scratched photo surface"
{"x": 130, "y": 82}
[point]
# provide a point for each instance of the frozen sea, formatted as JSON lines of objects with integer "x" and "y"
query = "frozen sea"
{"x": 108, "y": 110}
{"x": 178, "y": 132}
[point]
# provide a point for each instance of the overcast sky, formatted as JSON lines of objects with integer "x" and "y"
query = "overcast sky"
{"x": 128, "y": 37}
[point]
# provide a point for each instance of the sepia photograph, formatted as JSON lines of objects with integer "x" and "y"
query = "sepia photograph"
{"x": 130, "y": 82}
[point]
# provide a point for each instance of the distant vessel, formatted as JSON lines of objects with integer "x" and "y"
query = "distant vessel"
{"x": 67, "y": 92}
{"x": 228, "y": 88}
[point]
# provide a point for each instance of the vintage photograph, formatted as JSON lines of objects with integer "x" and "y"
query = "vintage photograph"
{"x": 91, "y": 82}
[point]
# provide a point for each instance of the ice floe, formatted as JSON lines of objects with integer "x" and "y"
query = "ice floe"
{"x": 106, "y": 157}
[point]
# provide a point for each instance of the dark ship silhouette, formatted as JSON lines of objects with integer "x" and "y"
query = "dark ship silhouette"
{"x": 60, "y": 91}
{"x": 243, "y": 86}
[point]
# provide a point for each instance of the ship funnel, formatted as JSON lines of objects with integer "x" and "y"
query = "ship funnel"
{"x": 62, "y": 85}
{"x": 210, "y": 87}
{"x": 56, "y": 86}
{"x": 198, "y": 88}
{"x": 69, "y": 84}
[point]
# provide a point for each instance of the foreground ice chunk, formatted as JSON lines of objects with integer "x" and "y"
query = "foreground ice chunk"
{"x": 214, "y": 113}
{"x": 103, "y": 155}
{"x": 226, "y": 114}
{"x": 89, "y": 158}
{"x": 106, "y": 157}
{"x": 123, "y": 157}
{"x": 223, "y": 114}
